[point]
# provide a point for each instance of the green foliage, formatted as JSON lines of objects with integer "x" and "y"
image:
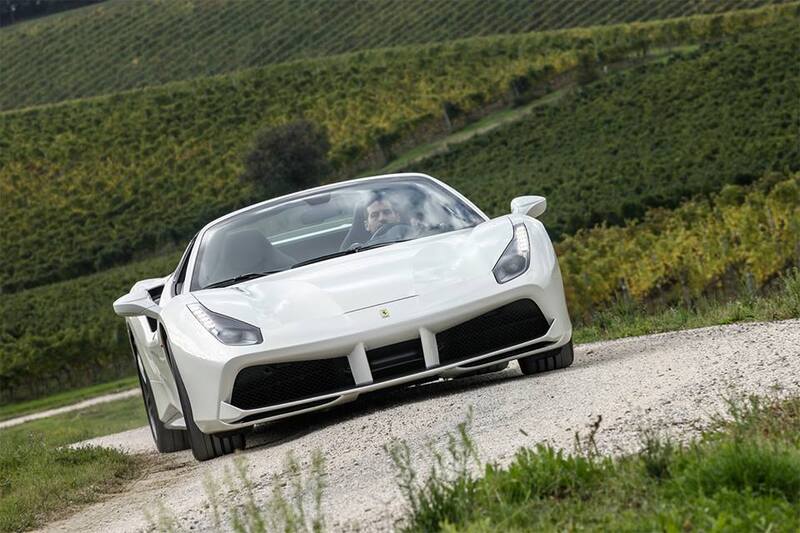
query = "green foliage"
{"x": 41, "y": 477}
{"x": 66, "y": 335}
{"x": 680, "y": 255}
{"x": 449, "y": 489}
{"x": 146, "y": 43}
{"x": 288, "y": 158}
{"x": 748, "y": 465}
{"x": 739, "y": 476}
{"x": 88, "y": 184}
{"x": 648, "y": 137}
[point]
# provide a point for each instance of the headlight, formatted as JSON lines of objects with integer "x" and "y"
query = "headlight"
{"x": 227, "y": 330}
{"x": 516, "y": 257}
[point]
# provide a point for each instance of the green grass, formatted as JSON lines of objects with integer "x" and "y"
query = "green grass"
{"x": 741, "y": 475}
{"x": 147, "y": 43}
{"x": 40, "y": 479}
{"x": 629, "y": 319}
{"x": 66, "y": 398}
{"x": 147, "y": 168}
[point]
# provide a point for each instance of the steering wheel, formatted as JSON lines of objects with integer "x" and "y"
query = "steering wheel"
{"x": 383, "y": 230}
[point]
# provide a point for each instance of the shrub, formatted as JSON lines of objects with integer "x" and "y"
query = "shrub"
{"x": 287, "y": 158}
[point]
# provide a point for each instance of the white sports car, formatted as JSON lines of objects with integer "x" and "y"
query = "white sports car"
{"x": 306, "y": 301}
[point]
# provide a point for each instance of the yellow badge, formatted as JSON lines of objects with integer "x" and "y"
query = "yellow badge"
{"x": 384, "y": 313}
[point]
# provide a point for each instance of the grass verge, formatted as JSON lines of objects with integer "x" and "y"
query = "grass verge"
{"x": 65, "y": 398}
{"x": 741, "y": 475}
{"x": 41, "y": 479}
{"x": 628, "y": 319}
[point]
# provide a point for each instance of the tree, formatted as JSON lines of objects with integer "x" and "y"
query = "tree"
{"x": 288, "y": 158}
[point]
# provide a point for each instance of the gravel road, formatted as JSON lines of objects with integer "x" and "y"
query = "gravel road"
{"x": 672, "y": 382}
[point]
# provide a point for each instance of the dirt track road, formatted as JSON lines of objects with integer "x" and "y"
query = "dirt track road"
{"x": 68, "y": 408}
{"x": 671, "y": 381}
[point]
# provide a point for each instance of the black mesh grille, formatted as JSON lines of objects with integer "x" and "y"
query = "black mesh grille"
{"x": 263, "y": 385}
{"x": 396, "y": 360}
{"x": 514, "y": 323}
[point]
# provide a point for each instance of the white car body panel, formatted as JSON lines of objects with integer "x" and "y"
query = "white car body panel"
{"x": 345, "y": 307}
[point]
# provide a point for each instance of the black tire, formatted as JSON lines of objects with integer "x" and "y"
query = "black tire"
{"x": 546, "y": 361}
{"x": 204, "y": 446}
{"x": 166, "y": 440}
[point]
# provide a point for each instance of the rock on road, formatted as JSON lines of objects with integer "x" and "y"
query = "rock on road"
{"x": 672, "y": 382}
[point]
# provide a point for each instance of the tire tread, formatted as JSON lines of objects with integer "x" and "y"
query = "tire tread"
{"x": 545, "y": 362}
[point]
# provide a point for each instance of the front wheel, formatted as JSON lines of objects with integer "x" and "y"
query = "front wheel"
{"x": 166, "y": 440}
{"x": 543, "y": 362}
{"x": 204, "y": 446}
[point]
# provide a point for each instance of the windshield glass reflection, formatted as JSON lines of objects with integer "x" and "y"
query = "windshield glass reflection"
{"x": 319, "y": 226}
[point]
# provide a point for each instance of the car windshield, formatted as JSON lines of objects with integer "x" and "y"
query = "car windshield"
{"x": 322, "y": 225}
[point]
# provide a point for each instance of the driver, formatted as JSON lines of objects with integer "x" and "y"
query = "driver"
{"x": 384, "y": 221}
{"x": 379, "y": 213}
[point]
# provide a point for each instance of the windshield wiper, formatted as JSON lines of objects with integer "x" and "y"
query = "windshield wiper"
{"x": 346, "y": 252}
{"x": 241, "y": 278}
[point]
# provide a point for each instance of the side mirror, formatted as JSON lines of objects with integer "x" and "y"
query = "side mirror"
{"x": 533, "y": 206}
{"x": 137, "y": 303}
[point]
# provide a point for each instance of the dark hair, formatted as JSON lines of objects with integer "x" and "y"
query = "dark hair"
{"x": 379, "y": 196}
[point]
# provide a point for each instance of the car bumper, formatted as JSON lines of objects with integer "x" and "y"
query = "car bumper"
{"x": 209, "y": 377}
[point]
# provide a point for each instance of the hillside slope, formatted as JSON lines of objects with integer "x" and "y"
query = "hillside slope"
{"x": 88, "y": 184}
{"x": 125, "y": 44}
{"x": 651, "y": 137}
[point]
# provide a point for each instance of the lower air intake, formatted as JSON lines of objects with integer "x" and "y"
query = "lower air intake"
{"x": 277, "y": 383}
{"x": 506, "y": 326}
{"x": 396, "y": 360}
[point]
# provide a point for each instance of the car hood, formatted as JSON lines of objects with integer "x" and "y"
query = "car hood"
{"x": 345, "y": 284}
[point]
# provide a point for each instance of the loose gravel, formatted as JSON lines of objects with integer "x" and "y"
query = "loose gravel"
{"x": 672, "y": 382}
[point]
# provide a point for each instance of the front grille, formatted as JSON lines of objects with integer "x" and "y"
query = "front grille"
{"x": 511, "y": 324}
{"x": 263, "y": 385}
{"x": 396, "y": 360}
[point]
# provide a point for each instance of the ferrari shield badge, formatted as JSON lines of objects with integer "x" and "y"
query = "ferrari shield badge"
{"x": 384, "y": 313}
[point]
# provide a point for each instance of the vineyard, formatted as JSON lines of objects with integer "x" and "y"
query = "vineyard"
{"x": 144, "y": 43}
{"x": 649, "y": 137}
{"x": 66, "y": 335}
{"x": 89, "y": 184}
{"x": 742, "y": 236}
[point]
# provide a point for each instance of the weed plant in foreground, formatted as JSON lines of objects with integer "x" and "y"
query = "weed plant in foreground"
{"x": 294, "y": 504}
{"x": 742, "y": 474}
